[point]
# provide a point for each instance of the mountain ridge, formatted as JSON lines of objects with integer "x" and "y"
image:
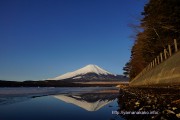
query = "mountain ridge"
{"x": 88, "y": 72}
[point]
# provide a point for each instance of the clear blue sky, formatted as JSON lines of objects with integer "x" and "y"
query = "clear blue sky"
{"x": 42, "y": 39}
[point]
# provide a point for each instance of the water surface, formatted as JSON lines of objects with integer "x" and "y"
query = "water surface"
{"x": 91, "y": 103}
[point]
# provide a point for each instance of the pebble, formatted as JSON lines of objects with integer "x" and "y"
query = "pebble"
{"x": 178, "y": 115}
{"x": 141, "y": 109}
{"x": 174, "y": 108}
{"x": 170, "y": 112}
{"x": 149, "y": 101}
{"x": 162, "y": 118}
{"x": 137, "y": 103}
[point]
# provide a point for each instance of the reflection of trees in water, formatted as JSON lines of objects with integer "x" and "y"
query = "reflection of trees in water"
{"x": 153, "y": 103}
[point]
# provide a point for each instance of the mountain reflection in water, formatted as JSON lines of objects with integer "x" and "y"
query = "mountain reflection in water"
{"x": 93, "y": 103}
{"x": 88, "y": 101}
{"x": 96, "y": 103}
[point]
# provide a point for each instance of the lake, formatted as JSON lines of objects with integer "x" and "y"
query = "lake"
{"x": 89, "y": 103}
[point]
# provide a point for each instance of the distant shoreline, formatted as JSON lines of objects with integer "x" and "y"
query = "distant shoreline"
{"x": 60, "y": 83}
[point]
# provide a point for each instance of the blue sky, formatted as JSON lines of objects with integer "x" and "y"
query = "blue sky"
{"x": 42, "y": 39}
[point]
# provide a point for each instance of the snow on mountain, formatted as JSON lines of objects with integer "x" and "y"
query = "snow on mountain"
{"x": 87, "y": 69}
{"x": 77, "y": 100}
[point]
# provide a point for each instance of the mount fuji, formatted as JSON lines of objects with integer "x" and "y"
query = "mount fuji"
{"x": 88, "y": 101}
{"x": 89, "y": 72}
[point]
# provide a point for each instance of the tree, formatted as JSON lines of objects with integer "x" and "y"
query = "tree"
{"x": 126, "y": 69}
{"x": 160, "y": 25}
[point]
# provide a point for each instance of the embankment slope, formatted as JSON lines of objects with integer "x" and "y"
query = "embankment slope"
{"x": 166, "y": 73}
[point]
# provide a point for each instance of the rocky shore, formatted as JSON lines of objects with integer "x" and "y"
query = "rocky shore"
{"x": 158, "y": 103}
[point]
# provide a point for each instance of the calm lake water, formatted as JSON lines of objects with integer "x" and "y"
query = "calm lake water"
{"x": 90, "y": 103}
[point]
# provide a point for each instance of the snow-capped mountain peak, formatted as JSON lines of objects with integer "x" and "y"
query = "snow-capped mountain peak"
{"x": 89, "y": 106}
{"x": 93, "y": 69}
{"x": 82, "y": 71}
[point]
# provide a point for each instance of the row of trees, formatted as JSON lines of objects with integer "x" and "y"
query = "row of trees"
{"x": 159, "y": 26}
